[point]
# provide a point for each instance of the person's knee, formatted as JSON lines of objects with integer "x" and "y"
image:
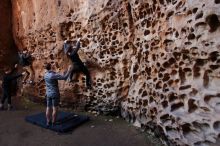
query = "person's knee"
{"x": 54, "y": 110}
{"x": 48, "y": 109}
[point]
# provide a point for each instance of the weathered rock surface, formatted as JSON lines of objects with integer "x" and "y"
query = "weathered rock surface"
{"x": 6, "y": 39}
{"x": 158, "y": 59}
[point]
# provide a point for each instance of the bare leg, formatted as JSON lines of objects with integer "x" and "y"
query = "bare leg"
{"x": 27, "y": 75}
{"x": 54, "y": 115}
{"x": 71, "y": 73}
{"x": 30, "y": 77}
{"x": 32, "y": 74}
{"x": 48, "y": 115}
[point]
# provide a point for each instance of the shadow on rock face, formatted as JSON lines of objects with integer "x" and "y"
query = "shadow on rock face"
{"x": 8, "y": 50}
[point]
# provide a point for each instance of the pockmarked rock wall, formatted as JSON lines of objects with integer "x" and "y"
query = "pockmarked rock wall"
{"x": 156, "y": 60}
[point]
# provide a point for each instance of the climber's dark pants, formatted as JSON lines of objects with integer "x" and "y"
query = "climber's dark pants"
{"x": 6, "y": 95}
{"x": 80, "y": 68}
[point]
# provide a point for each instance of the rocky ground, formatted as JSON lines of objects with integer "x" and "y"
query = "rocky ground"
{"x": 99, "y": 131}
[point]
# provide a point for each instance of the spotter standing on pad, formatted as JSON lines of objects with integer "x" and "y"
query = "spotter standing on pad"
{"x": 52, "y": 92}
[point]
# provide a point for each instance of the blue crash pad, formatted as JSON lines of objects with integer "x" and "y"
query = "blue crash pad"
{"x": 65, "y": 121}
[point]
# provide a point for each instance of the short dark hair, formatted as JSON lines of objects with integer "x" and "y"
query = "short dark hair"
{"x": 48, "y": 66}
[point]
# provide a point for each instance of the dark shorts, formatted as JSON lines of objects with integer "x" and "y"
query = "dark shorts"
{"x": 53, "y": 101}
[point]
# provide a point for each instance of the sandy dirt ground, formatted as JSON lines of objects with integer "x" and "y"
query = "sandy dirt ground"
{"x": 99, "y": 131}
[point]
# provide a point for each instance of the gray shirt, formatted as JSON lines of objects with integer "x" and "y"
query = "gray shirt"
{"x": 51, "y": 78}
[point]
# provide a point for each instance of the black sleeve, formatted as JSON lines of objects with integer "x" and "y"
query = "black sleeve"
{"x": 15, "y": 77}
{"x": 13, "y": 70}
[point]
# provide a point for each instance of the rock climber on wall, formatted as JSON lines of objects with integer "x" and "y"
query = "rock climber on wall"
{"x": 25, "y": 60}
{"x": 77, "y": 64}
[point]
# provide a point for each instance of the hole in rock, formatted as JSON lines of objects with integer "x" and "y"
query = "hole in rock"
{"x": 200, "y": 24}
{"x": 186, "y": 128}
{"x": 202, "y": 126}
{"x": 193, "y": 92}
{"x": 159, "y": 85}
{"x": 200, "y": 15}
{"x": 176, "y": 34}
{"x": 206, "y": 78}
{"x": 185, "y": 87}
{"x": 213, "y": 22}
{"x": 170, "y": 82}
{"x": 213, "y": 56}
{"x": 146, "y": 32}
{"x": 59, "y": 2}
{"x": 216, "y": 126}
{"x": 161, "y": 2}
{"x": 176, "y": 106}
{"x": 164, "y": 118}
{"x": 195, "y": 10}
{"x": 164, "y": 104}
{"x": 182, "y": 75}
{"x": 207, "y": 98}
{"x": 200, "y": 62}
{"x": 187, "y": 69}
{"x": 196, "y": 71}
{"x": 179, "y": 5}
{"x": 166, "y": 77}
{"x": 192, "y": 106}
{"x": 172, "y": 97}
{"x": 214, "y": 67}
{"x": 217, "y": 1}
{"x": 145, "y": 103}
{"x": 191, "y": 36}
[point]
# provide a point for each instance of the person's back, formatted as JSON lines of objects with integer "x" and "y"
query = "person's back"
{"x": 52, "y": 89}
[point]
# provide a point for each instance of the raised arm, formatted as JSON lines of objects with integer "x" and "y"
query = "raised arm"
{"x": 58, "y": 76}
{"x": 13, "y": 77}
